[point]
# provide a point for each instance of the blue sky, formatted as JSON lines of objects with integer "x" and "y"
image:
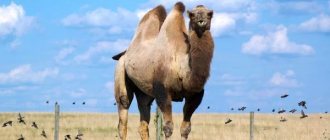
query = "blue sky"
{"x": 62, "y": 52}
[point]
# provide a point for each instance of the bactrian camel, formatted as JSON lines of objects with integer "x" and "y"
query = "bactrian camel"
{"x": 167, "y": 63}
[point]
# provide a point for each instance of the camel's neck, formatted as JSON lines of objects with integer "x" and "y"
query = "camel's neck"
{"x": 200, "y": 55}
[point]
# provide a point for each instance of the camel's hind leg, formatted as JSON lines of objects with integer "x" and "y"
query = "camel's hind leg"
{"x": 144, "y": 103}
{"x": 191, "y": 104}
{"x": 124, "y": 97}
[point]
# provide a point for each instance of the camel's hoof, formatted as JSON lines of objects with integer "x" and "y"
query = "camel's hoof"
{"x": 168, "y": 129}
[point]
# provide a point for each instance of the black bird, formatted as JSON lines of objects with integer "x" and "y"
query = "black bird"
{"x": 303, "y": 104}
{"x": 84, "y": 103}
{"x": 326, "y": 112}
{"x": 7, "y": 123}
{"x": 43, "y": 133}
{"x": 114, "y": 103}
{"x": 242, "y": 108}
{"x": 284, "y": 96}
{"x": 293, "y": 110}
{"x": 20, "y": 119}
{"x": 79, "y": 135}
{"x": 228, "y": 121}
{"x": 303, "y": 115}
{"x": 47, "y": 102}
{"x": 34, "y": 125}
{"x": 281, "y": 111}
{"x": 258, "y": 109}
{"x": 232, "y": 109}
{"x": 56, "y": 103}
{"x": 283, "y": 119}
{"x": 67, "y": 137}
{"x": 74, "y": 103}
{"x": 21, "y": 138}
{"x": 273, "y": 110}
{"x": 208, "y": 107}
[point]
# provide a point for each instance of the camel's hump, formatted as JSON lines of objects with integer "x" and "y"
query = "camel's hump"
{"x": 159, "y": 11}
{"x": 180, "y": 7}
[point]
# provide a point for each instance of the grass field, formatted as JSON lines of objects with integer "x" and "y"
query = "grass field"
{"x": 97, "y": 126}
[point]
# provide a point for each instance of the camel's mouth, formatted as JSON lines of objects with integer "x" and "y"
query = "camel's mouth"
{"x": 201, "y": 23}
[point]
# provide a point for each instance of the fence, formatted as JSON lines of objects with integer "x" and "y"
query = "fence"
{"x": 159, "y": 124}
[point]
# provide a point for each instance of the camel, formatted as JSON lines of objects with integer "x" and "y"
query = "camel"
{"x": 166, "y": 63}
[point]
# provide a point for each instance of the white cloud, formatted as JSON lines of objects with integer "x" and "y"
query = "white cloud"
{"x": 231, "y": 80}
{"x": 284, "y": 79}
{"x": 24, "y": 73}
{"x": 296, "y": 8}
{"x": 222, "y": 23}
{"x": 15, "y": 89}
{"x": 103, "y": 47}
{"x": 115, "y": 21}
{"x": 13, "y": 20}
{"x": 321, "y": 23}
{"x": 63, "y": 54}
{"x": 275, "y": 43}
{"x": 78, "y": 93}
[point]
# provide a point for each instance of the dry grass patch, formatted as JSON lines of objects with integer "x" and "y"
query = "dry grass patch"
{"x": 99, "y": 126}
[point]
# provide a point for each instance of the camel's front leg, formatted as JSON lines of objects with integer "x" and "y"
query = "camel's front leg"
{"x": 190, "y": 106}
{"x": 164, "y": 102}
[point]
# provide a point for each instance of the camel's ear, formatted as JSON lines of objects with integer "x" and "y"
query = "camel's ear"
{"x": 190, "y": 14}
{"x": 210, "y": 13}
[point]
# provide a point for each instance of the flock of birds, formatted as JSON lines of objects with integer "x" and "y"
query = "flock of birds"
{"x": 302, "y": 104}
{"x": 43, "y": 134}
{"x": 228, "y": 120}
{"x": 22, "y": 121}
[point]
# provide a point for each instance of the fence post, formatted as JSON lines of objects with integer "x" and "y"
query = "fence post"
{"x": 251, "y": 124}
{"x": 57, "y": 121}
{"x": 159, "y": 121}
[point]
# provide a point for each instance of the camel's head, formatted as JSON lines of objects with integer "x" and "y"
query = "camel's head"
{"x": 200, "y": 19}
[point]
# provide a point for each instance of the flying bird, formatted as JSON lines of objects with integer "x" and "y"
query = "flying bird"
{"x": 303, "y": 115}
{"x": 303, "y": 104}
{"x": 114, "y": 104}
{"x": 21, "y": 138}
{"x": 20, "y": 118}
{"x": 228, "y": 121}
{"x": 74, "y": 103}
{"x": 34, "y": 125}
{"x": 283, "y": 119}
{"x": 47, "y": 102}
{"x": 242, "y": 108}
{"x": 293, "y": 110}
{"x": 84, "y": 103}
{"x": 67, "y": 137}
{"x": 273, "y": 110}
{"x": 281, "y": 111}
{"x": 7, "y": 123}
{"x": 284, "y": 96}
{"x": 258, "y": 109}
{"x": 232, "y": 109}
{"x": 43, "y": 133}
{"x": 326, "y": 112}
{"x": 208, "y": 107}
{"x": 79, "y": 135}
